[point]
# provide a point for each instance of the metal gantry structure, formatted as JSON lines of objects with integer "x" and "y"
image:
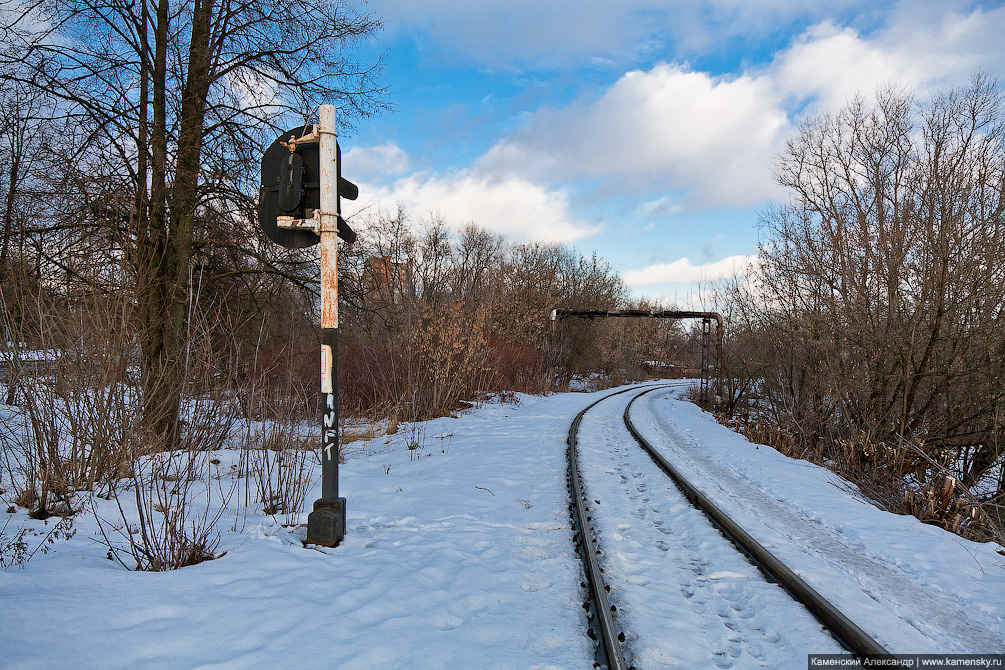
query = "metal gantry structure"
{"x": 707, "y": 354}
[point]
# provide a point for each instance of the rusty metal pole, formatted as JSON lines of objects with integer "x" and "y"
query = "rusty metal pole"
{"x": 326, "y": 524}
{"x": 718, "y": 362}
{"x": 706, "y": 356}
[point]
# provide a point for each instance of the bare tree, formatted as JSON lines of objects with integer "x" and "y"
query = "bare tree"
{"x": 881, "y": 292}
{"x": 171, "y": 95}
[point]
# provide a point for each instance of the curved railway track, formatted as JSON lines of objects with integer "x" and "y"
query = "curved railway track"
{"x": 601, "y": 614}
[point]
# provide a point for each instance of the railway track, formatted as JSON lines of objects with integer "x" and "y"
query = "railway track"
{"x": 613, "y": 648}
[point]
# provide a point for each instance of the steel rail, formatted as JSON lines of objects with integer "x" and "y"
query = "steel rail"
{"x": 853, "y": 638}
{"x": 609, "y": 652}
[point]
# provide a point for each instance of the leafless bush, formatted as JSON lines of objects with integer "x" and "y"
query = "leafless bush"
{"x": 282, "y": 467}
{"x": 169, "y": 521}
{"x": 77, "y": 402}
{"x": 446, "y": 357}
{"x": 78, "y": 428}
{"x": 165, "y": 530}
{"x": 277, "y": 378}
{"x": 888, "y": 333}
{"x": 16, "y": 548}
{"x": 415, "y": 435}
{"x": 436, "y": 318}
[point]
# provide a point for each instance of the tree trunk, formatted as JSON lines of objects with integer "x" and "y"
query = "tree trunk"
{"x": 159, "y": 340}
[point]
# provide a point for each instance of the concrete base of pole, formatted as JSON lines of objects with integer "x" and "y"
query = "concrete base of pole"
{"x": 326, "y": 524}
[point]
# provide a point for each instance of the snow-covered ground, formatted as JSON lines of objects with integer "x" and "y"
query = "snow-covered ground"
{"x": 915, "y": 587}
{"x": 684, "y": 598}
{"x": 459, "y": 555}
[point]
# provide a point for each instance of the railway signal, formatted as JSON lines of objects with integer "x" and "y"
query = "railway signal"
{"x": 299, "y": 207}
{"x": 291, "y": 189}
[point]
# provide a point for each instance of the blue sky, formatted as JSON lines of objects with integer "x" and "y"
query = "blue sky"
{"x": 642, "y": 130}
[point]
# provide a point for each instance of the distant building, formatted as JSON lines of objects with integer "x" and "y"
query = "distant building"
{"x": 390, "y": 280}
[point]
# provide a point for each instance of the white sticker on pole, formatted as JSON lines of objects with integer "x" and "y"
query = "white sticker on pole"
{"x": 326, "y": 369}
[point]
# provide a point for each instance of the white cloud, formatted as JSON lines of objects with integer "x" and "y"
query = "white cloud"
{"x": 668, "y": 127}
{"x": 925, "y": 47}
{"x": 510, "y": 206}
{"x": 664, "y": 206}
{"x": 682, "y": 271}
{"x": 258, "y": 94}
{"x": 832, "y": 65}
{"x": 687, "y": 298}
{"x": 710, "y": 141}
{"x": 947, "y": 40}
{"x": 375, "y": 163}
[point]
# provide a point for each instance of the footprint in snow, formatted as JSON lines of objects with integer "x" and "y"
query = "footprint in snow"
{"x": 445, "y": 622}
